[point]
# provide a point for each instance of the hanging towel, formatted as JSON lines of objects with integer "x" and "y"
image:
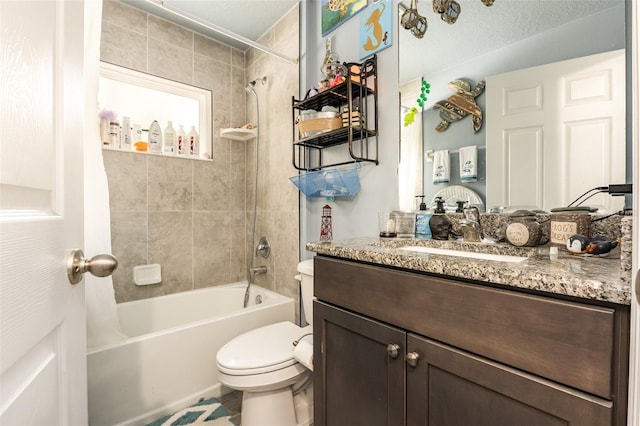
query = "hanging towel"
{"x": 441, "y": 166}
{"x": 469, "y": 163}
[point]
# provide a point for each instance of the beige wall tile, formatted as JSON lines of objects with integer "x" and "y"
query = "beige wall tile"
{"x": 170, "y": 34}
{"x": 213, "y": 49}
{"x": 211, "y": 246}
{"x": 211, "y": 187}
{"x": 123, "y": 47}
{"x": 129, "y": 245}
{"x": 127, "y": 178}
{"x": 170, "y": 245}
{"x": 170, "y": 61}
{"x": 170, "y": 183}
{"x": 125, "y": 16}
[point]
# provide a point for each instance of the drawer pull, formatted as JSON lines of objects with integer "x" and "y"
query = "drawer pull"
{"x": 392, "y": 350}
{"x": 412, "y": 358}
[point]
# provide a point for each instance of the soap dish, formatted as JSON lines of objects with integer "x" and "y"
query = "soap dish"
{"x": 147, "y": 274}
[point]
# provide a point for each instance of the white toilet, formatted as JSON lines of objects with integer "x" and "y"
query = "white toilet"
{"x": 277, "y": 388}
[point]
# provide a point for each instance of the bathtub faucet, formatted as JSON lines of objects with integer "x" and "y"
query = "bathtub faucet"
{"x": 257, "y": 270}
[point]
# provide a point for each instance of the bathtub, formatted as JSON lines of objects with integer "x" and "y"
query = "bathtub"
{"x": 168, "y": 362}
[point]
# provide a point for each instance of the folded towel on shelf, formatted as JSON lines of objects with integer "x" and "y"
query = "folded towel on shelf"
{"x": 469, "y": 163}
{"x": 441, "y": 166}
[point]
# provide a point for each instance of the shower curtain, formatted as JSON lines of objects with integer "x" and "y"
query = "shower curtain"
{"x": 103, "y": 326}
{"x": 410, "y": 167}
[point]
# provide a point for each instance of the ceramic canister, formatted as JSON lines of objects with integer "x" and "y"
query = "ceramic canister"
{"x": 563, "y": 226}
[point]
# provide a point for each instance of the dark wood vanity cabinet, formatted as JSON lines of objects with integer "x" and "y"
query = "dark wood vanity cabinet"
{"x": 398, "y": 348}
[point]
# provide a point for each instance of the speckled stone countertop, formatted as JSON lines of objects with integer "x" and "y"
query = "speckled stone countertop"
{"x": 594, "y": 278}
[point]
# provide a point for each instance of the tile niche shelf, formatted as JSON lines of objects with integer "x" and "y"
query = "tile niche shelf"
{"x": 238, "y": 133}
{"x": 356, "y": 98}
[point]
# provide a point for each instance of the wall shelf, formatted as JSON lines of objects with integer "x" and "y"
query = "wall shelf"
{"x": 238, "y": 133}
{"x": 357, "y": 100}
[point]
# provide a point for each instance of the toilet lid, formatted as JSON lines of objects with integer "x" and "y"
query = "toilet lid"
{"x": 260, "y": 350}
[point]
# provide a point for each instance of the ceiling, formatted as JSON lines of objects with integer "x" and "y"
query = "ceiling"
{"x": 481, "y": 29}
{"x": 474, "y": 32}
{"x": 248, "y": 18}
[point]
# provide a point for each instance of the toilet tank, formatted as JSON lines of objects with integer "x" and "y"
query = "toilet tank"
{"x": 305, "y": 275}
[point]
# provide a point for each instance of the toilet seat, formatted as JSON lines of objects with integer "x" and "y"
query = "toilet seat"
{"x": 259, "y": 351}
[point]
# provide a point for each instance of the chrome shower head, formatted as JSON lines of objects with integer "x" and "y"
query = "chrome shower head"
{"x": 252, "y": 84}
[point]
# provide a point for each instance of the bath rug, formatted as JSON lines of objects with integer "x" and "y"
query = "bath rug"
{"x": 209, "y": 412}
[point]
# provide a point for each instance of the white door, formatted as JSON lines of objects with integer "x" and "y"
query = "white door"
{"x": 556, "y": 131}
{"x": 42, "y": 317}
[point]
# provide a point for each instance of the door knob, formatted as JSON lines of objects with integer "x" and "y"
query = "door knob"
{"x": 412, "y": 358}
{"x": 101, "y": 265}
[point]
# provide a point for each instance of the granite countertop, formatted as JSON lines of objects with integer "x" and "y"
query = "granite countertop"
{"x": 594, "y": 278}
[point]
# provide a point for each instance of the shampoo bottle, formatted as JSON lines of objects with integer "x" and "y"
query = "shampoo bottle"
{"x": 169, "y": 145}
{"x": 155, "y": 138}
{"x": 422, "y": 220}
{"x": 182, "y": 147}
{"x": 126, "y": 142}
{"x": 439, "y": 223}
{"x": 194, "y": 142}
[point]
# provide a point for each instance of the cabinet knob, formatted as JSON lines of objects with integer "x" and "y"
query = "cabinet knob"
{"x": 412, "y": 358}
{"x": 392, "y": 350}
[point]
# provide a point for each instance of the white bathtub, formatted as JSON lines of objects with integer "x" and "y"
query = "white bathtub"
{"x": 169, "y": 362}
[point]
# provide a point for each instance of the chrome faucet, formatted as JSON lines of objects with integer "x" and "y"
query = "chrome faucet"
{"x": 471, "y": 227}
{"x": 257, "y": 270}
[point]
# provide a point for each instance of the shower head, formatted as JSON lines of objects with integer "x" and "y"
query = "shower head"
{"x": 252, "y": 84}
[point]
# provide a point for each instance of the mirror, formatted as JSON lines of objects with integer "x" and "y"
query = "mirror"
{"x": 144, "y": 97}
{"x": 485, "y": 41}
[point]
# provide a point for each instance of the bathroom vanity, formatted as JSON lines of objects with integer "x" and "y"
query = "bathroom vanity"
{"x": 410, "y": 338}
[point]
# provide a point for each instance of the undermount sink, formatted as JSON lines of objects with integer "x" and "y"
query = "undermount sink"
{"x": 467, "y": 254}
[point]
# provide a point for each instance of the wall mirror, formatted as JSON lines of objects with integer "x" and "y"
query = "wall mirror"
{"x": 144, "y": 97}
{"x": 486, "y": 41}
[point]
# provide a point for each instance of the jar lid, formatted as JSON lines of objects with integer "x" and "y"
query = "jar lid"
{"x": 522, "y": 213}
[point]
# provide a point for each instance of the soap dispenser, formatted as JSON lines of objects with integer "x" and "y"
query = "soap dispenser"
{"x": 439, "y": 223}
{"x": 422, "y": 220}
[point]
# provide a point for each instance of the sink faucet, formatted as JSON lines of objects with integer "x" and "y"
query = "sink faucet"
{"x": 471, "y": 227}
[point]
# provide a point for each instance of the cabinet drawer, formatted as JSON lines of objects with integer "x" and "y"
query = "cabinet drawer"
{"x": 571, "y": 343}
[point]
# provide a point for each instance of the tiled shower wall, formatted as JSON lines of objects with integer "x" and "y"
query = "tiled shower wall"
{"x": 194, "y": 217}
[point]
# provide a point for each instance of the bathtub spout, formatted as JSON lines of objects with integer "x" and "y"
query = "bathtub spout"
{"x": 258, "y": 270}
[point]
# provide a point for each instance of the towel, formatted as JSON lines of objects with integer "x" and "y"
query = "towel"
{"x": 441, "y": 167}
{"x": 469, "y": 163}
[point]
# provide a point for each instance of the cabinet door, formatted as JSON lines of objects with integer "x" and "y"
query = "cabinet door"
{"x": 449, "y": 387}
{"x": 358, "y": 380}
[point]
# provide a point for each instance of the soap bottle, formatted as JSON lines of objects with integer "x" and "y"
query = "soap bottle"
{"x": 422, "y": 220}
{"x": 439, "y": 223}
{"x": 155, "y": 138}
{"x": 169, "y": 146}
{"x": 194, "y": 142}
{"x": 182, "y": 145}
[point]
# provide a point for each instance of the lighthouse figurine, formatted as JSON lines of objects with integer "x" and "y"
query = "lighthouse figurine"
{"x": 326, "y": 234}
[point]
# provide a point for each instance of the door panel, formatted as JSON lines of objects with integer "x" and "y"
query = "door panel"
{"x": 42, "y": 343}
{"x": 357, "y": 382}
{"x": 579, "y": 108}
{"x": 455, "y": 388}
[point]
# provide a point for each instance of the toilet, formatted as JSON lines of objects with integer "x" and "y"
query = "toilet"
{"x": 277, "y": 387}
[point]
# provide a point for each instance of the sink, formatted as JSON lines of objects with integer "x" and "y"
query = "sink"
{"x": 467, "y": 254}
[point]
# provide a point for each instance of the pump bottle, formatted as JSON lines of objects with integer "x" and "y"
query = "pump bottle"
{"x": 439, "y": 223}
{"x": 422, "y": 220}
